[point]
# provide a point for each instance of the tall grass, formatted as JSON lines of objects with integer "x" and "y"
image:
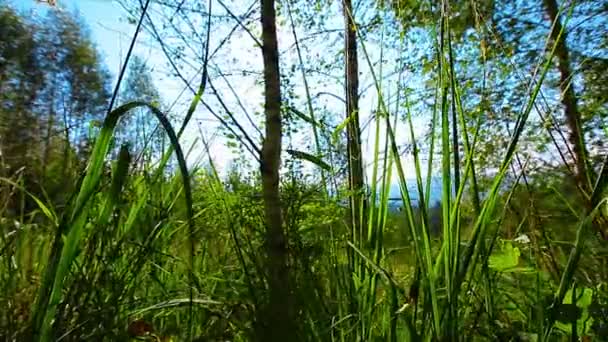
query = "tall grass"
{"x": 73, "y": 227}
{"x": 448, "y": 265}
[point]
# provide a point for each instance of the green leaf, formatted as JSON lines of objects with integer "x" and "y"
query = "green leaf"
{"x": 507, "y": 258}
{"x": 583, "y": 299}
{"x": 568, "y": 312}
{"x": 341, "y": 126}
{"x": 309, "y": 157}
{"x": 304, "y": 116}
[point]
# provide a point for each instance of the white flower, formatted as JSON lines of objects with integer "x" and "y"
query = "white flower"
{"x": 523, "y": 239}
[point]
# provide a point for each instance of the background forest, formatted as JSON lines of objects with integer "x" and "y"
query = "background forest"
{"x": 322, "y": 170}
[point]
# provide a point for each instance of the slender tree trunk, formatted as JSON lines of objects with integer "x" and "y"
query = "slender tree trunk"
{"x": 357, "y": 205}
{"x": 573, "y": 116}
{"x": 584, "y": 174}
{"x": 276, "y": 320}
{"x": 67, "y": 147}
{"x": 355, "y": 162}
{"x": 49, "y": 132}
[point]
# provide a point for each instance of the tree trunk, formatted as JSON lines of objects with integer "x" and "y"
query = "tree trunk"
{"x": 584, "y": 175}
{"x": 355, "y": 162}
{"x": 49, "y": 133}
{"x": 67, "y": 147}
{"x": 573, "y": 116}
{"x": 276, "y": 319}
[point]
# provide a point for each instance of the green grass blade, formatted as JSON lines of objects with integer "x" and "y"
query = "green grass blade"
{"x": 70, "y": 231}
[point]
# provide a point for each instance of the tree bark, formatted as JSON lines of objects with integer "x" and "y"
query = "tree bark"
{"x": 49, "y": 132}
{"x": 355, "y": 162}
{"x": 576, "y": 137}
{"x": 276, "y": 319}
{"x": 583, "y": 173}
